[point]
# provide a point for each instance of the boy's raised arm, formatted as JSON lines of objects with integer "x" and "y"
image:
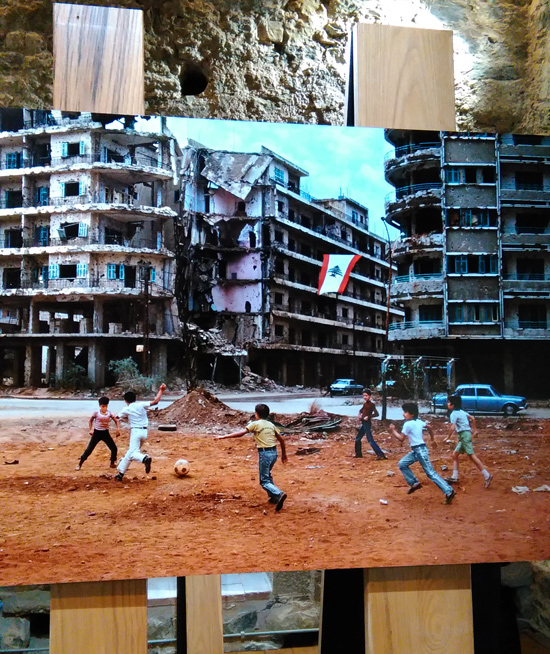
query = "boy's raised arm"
{"x": 235, "y": 434}
{"x": 161, "y": 390}
{"x": 394, "y": 432}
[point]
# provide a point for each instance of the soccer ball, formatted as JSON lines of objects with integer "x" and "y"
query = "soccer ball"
{"x": 182, "y": 468}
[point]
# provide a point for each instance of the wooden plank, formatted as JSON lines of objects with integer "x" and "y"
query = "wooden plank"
{"x": 98, "y": 59}
{"x": 203, "y": 600}
{"x": 403, "y": 77}
{"x": 99, "y": 617}
{"x": 419, "y": 609}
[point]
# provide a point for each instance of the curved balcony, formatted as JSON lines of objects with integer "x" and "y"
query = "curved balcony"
{"x": 411, "y": 154}
{"x": 416, "y": 329}
{"x": 413, "y": 195}
{"x": 407, "y": 285}
{"x": 418, "y": 243}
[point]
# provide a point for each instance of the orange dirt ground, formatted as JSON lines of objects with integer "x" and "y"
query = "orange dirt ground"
{"x": 60, "y": 525}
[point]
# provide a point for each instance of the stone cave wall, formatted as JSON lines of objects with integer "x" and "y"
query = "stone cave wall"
{"x": 285, "y": 60}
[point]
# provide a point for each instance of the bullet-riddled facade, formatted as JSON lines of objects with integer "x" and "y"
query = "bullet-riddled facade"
{"x": 254, "y": 242}
{"x": 473, "y": 266}
{"x": 86, "y": 246}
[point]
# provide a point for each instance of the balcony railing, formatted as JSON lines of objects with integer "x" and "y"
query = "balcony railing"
{"x": 69, "y": 200}
{"x": 529, "y": 324}
{"x": 86, "y": 282}
{"x": 411, "y": 148}
{"x": 413, "y": 278}
{"x": 530, "y": 277}
{"x": 140, "y": 161}
{"x": 143, "y": 243}
{"x": 404, "y": 191}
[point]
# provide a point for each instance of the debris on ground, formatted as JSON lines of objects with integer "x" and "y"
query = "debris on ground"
{"x": 544, "y": 487}
{"x": 302, "y": 451}
{"x": 201, "y": 406}
{"x": 520, "y": 490}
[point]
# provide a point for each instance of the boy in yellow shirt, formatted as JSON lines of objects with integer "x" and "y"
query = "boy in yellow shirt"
{"x": 266, "y": 435}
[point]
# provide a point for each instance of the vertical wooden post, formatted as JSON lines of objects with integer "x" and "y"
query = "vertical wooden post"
{"x": 203, "y": 601}
{"x": 99, "y": 617}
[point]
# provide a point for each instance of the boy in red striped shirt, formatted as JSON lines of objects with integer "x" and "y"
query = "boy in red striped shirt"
{"x": 99, "y": 431}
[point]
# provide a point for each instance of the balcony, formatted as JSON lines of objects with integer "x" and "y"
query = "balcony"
{"x": 416, "y": 329}
{"x": 418, "y": 243}
{"x": 529, "y": 284}
{"x": 407, "y": 285}
{"x": 411, "y": 153}
{"x": 138, "y": 161}
{"x": 521, "y": 329}
{"x": 538, "y": 194}
{"x": 85, "y": 285}
{"x": 11, "y": 244}
{"x": 415, "y": 195}
{"x": 526, "y": 238}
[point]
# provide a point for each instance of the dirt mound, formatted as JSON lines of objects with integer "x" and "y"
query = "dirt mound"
{"x": 200, "y": 406}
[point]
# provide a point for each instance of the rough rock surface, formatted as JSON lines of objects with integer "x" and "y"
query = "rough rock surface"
{"x": 284, "y": 60}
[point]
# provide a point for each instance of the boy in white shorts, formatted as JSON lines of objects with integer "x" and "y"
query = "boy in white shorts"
{"x": 136, "y": 414}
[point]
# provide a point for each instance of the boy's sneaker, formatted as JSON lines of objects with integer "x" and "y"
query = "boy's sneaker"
{"x": 113, "y": 465}
{"x": 449, "y": 498}
{"x": 147, "y": 462}
{"x": 119, "y": 476}
{"x": 488, "y": 481}
{"x": 414, "y": 488}
{"x": 381, "y": 457}
{"x": 78, "y": 466}
{"x": 280, "y": 502}
{"x": 451, "y": 480}
{"x": 273, "y": 500}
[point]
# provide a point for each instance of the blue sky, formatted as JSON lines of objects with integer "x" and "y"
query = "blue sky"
{"x": 340, "y": 160}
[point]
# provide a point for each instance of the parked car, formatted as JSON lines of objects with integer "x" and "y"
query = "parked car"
{"x": 345, "y": 387}
{"x": 482, "y": 398}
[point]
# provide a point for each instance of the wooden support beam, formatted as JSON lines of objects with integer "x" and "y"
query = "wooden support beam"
{"x": 419, "y": 609}
{"x": 98, "y": 59}
{"x": 99, "y": 617}
{"x": 402, "y": 77}
{"x": 203, "y": 599}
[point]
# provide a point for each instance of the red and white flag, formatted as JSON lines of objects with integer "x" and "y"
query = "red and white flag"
{"x": 335, "y": 272}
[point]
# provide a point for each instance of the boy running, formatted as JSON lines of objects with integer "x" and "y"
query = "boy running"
{"x": 464, "y": 425}
{"x": 413, "y": 428}
{"x": 136, "y": 414}
{"x": 367, "y": 412}
{"x": 99, "y": 431}
{"x": 266, "y": 435}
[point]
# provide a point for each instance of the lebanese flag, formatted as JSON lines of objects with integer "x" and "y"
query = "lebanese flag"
{"x": 335, "y": 272}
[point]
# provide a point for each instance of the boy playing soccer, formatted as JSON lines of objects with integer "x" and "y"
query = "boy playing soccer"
{"x": 136, "y": 414}
{"x": 367, "y": 412}
{"x": 99, "y": 431}
{"x": 266, "y": 435}
{"x": 465, "y": 425}
{"x": 413, "y": 428}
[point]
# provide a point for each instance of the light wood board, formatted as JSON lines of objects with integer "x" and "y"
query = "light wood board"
{"x": 203, "y": 605}
{"x": 99, "y": 618}
{"x": 98, "y": 59}
{"x": 419, "y": 609}
{"x": 403, "y": 77}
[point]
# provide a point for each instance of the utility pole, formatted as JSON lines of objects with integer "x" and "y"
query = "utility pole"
{"x": 386, "y": 337}
{"x": 146, "y": 357}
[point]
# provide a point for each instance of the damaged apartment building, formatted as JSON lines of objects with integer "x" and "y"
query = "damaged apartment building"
{"x": 473, "y": 260}
{"x": 86, "y": 245}
{"x": 252, "y": 245}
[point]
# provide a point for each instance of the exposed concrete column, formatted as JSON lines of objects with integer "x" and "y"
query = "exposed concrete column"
{"x": 263, "y": 366}
{"x": 159, "y": 360}
{"x": 96, "y": 363}
{"x": 283, "y": 376}
{"x": 32, "y": 365}
{"x": 34, "y": 318}
{"x": 60, "y": 351}
{"x": 98, "y": 315}
{"x": 508, "y": 368}
{"x": 18, "y": 366}
{"x": 303, "y": 369}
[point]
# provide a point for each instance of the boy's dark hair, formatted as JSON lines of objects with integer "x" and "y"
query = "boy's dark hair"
{"x": 368, "y": 391}
{"x": 104, "y": 401}
{"x": 129, "y": 397}
{"x": 262, "y": 410}
{"x": 412, "y": 408}
{"x": 455, "y": 401}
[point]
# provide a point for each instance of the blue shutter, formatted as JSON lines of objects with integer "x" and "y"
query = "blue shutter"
{"x": 104, "y": 154}
{"x": 82, "y": 229}
{"x": 81, "y": 187}
{"x": 152, "y": 275}
{"x": 482, "y": 262}
{"x": 53, "y": 271}
{"x": 121, "y": 271}
{"x": 81, "y": 270}
{"x": 111, "y": 270}
{"x": 82, "y": 147}
{"x": 64, "y": 149}
{"x": 63, "y": 189}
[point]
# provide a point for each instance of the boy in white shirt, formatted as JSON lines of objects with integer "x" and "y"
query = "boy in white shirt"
{"x": 136, "y": 414}
{"x": 413, "y": 428}
{"x": 465, "y": 426}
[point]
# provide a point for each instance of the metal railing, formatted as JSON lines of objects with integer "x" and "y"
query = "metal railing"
{"x": 70, "y": 200}
{"x": 523, "y": 277}
{"x": 412, "y": 278}
{"x": 528, "y": 324}
{"x": 74, "y": 159}
{"x": 404, "y": 191}
{"x": 403, "y": 150}
{"x": 540, "y": 188}
{"x": 86, "y": 282}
